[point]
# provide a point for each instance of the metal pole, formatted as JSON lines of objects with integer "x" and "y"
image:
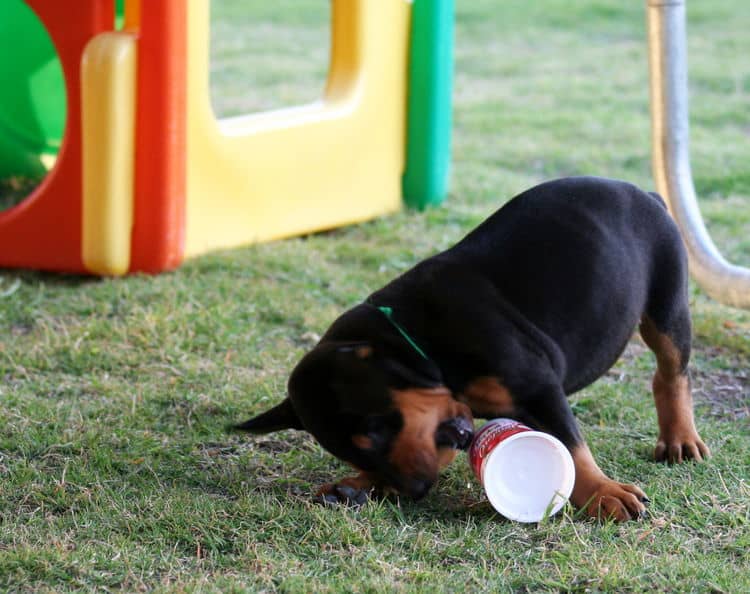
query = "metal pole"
{"x": 670, "y": 128}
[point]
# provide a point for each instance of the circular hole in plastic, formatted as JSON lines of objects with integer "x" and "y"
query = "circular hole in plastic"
{"x": 33, "y": 105}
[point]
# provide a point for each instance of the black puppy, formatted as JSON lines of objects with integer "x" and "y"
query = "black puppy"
{"x": 536, "y": 303}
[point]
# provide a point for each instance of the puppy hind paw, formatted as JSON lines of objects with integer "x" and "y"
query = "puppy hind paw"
{"x": 678, "y": 449}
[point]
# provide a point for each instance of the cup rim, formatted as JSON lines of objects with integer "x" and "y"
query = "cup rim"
{"x": 564, "y": 491}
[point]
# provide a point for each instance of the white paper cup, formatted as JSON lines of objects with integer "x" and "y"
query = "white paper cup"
{"x": 526, "y": 474}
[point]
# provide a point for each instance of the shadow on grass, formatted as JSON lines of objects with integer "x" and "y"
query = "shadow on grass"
{"x": 35, "y": 278}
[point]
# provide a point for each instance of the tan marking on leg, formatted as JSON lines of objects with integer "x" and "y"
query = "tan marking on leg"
{"x": 599, "y": 495}
{"x": 487, "y": 397}
{"x": 678, "y": 438}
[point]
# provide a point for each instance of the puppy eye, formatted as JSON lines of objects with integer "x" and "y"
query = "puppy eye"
{"x": 372, "y": 433}
{"x": 375, "y": 432}
{"x": 364, "y": 441}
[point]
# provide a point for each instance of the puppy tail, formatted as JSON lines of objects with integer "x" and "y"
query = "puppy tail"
{"x": 281, "y": 416}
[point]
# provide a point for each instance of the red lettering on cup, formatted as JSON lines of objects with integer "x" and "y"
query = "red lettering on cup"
{"x": 490, "y": 435}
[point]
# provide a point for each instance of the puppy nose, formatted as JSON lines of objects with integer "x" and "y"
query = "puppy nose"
{"x": 465, "y": 432}
{"x": 457, "y": 433}
{"x": 418, "y": 488}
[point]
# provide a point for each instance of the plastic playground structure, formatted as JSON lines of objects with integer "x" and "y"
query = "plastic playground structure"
{"x": 142, "y": 173}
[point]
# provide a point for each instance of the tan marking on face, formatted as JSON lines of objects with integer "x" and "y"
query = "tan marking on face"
{"x": 445, "y": 457}
{"x": 362, "y": 441}
{"x": 414, "y": 453}
{"x": 487, "y": 397}
{"x": 363, "y": 352}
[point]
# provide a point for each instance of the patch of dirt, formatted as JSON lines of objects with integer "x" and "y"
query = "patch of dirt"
{"x": 727, "y": 394}
{"x": 725, "y": 390}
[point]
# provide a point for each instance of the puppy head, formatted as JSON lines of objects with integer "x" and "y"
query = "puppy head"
{"x": 386, "y": 416}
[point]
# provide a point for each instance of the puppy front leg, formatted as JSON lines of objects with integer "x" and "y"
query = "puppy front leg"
{"x": 599, "y": 495}
{"x": 594, "y": 492}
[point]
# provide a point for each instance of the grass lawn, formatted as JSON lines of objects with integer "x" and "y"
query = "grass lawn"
{"x": 116, "y": 471}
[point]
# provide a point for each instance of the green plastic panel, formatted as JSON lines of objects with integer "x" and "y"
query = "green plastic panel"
{"x": 429, "y": 117}
{"x": 32, "y": 92}
{"x": 33, "y": 102}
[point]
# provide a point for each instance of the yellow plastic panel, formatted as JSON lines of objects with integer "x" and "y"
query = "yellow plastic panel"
{"x": 108, "y": 121}
{"x": 303, "y": 169}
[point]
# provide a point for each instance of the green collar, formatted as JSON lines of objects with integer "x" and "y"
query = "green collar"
{"x": 388, "y": 313}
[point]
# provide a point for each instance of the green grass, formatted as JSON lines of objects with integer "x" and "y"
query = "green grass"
{"x": 116, "y": 472}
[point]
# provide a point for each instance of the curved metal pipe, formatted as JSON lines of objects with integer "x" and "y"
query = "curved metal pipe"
{"x": 670, "y": 128}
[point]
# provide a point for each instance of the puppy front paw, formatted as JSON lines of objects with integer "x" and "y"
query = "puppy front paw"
{"x": 610, "y": 500}
{"x": 338, "y": 494}
{"x": 351, "y": 492}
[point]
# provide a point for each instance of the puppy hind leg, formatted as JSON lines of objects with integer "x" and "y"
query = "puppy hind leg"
{"x": 678, "y": 438}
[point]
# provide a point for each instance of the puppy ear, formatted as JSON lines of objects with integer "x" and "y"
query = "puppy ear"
{"x": 404, "y": 367}
{"x": 414, "y": 373}
{"x": 281, "y": 416}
